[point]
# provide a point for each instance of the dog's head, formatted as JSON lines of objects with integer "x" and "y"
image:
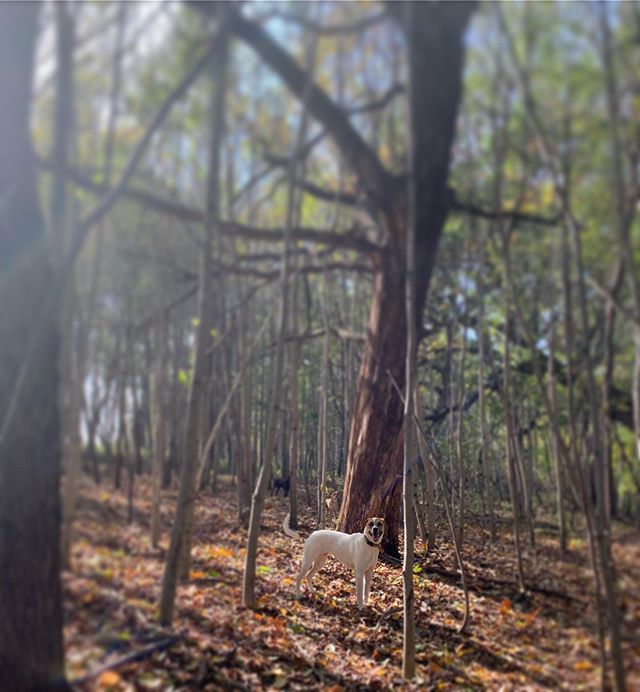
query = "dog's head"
{"x": 374, "y": 529}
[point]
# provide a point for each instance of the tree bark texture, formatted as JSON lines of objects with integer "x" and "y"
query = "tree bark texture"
{"x": 31, "y": 651}
{"x": 373, "y": 480}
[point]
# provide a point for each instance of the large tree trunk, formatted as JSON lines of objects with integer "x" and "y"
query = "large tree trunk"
{"x": 374, "y": 480}
{"x": 31, "y": 652}
{"x": 436, "y": 51}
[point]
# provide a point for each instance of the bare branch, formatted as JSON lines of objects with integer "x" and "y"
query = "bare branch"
{"x": 273, "y": 274}
{"x": 471, "y": 208}
{"x": 346, "y": 198}
{"x": 379, "y": 103}
{"x": 333, "y": 29}
{"x": 348, "y": 241}
{"x": 359, "y": 155}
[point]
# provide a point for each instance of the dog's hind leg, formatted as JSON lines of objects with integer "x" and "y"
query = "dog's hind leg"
{"x": 306, "y": 566}
{"x": 317, "y": 566}
{"x": 304, "y": 570}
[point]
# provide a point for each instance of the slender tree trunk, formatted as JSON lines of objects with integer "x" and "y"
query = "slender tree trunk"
{"x": 179, "y": 555}
{"x": 458, "y": 436}
{"x": 509, "y": 449}
{"x": 435, "y": 461}
{"x": 553, "y": 437}
{"x": 625, "y": 214}
{"x": 601, "y": 557}
{"x": 487, "y": 475}
{"x": 70, "y": 389}
{"x": 86, "y": 326}
{"x": 128, "y": 437}
{"x": 31, "y": 646}
{"x": 322, "y": 418}
{"x": 601, "y": 524}
{"x": 448, "y": 377}
{"x": 122, "y": 446}
{"x": 608, "y": 328}
{"x": 430, "y": 483}
{"x": 521, "y": 473}
{"x": 410, "y": 446}
{"x": 212, "y": 435}
{"x": 245, "y": 461}
{"x": 294, "y": 433}
{"x": 159, "y": 409}
{"x": 257, "y": 500}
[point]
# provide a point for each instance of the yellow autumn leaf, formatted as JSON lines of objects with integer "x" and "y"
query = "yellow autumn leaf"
{"x": 197, "y": 575}
{"x": 216, "y": 551}
{"x": 583, "y": 665}
{"x": 109, "y": 678}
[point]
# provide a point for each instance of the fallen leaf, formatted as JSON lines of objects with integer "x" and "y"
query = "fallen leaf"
{"x": 108, "y": 678}
{"x": 583, "y": 665}
{"x": 505, "y": 606}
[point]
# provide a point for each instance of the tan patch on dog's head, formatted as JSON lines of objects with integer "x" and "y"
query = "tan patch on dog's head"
{"x": 374, "y": 529}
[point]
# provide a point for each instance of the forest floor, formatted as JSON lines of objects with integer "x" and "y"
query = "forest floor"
{"x": 548, "y": 639}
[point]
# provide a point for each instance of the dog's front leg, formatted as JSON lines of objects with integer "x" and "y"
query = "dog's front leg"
{"x": 360, "y": 589}
{"x": 368, "y": 575}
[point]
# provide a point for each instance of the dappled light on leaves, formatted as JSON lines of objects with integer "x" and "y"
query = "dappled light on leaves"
{"x": 322, "y": 641}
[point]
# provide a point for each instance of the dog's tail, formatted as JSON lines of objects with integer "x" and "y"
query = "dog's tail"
{"x": 289, "y": 531}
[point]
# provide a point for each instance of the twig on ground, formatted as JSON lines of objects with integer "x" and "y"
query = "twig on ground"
{"x": 131, "y": 657}
{"x": 386, "y": 615}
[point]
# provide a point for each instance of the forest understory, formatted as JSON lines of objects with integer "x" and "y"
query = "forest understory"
{"x": 544, "y": 639}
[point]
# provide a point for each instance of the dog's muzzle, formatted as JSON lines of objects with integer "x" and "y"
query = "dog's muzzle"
{"x": 375, "y": 532}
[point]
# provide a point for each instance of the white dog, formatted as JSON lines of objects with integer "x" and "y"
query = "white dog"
{"x": 356, "y": 550}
